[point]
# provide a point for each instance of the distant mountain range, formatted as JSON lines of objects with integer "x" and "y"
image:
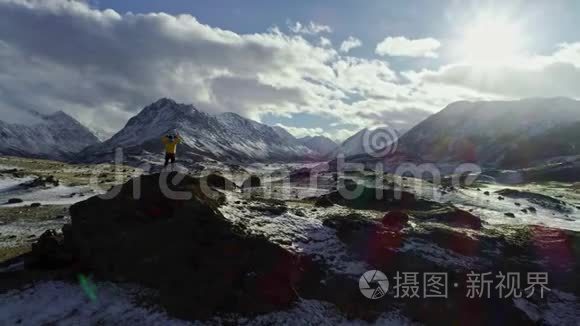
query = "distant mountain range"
{"x": 224, "y": 137}
{"x": 56, "y": 136}
{"x": 498, "y": 133}
{"x": 506, "y": 134}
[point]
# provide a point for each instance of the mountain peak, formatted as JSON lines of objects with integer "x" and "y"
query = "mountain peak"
{"x": 164, "y": 101}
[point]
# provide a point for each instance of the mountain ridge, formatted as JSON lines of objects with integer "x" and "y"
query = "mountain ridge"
{"x": 54, "y": 136}
{"x": 227, "y": 136}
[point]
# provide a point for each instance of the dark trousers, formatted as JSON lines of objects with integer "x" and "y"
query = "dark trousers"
{"x": 169, "y": 157}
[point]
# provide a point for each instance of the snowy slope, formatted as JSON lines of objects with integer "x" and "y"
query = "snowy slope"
{"x": 320, "y": 144}
{"x": 227, "y": 137}
{"x": 484, "y": 132}
{"x": 55, "y": 136}
{"x": 380, "y": 139}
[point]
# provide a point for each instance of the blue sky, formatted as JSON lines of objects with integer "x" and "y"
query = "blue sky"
{"x": 283, "y": 63}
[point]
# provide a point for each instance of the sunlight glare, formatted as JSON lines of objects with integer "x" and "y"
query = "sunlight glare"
{"x": 491, "y": 40}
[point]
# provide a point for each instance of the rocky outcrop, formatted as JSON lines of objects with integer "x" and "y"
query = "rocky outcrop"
{"x": 199, "y": 261}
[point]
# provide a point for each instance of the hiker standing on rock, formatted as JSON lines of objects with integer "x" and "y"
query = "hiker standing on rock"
{"x": 170, "y": 141}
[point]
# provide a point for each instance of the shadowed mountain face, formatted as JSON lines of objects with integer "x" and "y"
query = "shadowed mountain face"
{"x": 227, "y": 137}
{"x": 56, "y": 136}
{"x": 496, "y": 133}
{"x": 320, "y": 144}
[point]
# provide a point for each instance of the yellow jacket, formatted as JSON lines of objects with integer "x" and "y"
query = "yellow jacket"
{"x": 170, "y": 146}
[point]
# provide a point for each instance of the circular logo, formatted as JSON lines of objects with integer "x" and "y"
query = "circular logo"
{"x": 373, "y": 284}
{"x": 380, "y": 141}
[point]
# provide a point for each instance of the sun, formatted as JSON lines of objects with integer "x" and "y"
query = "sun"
{"x": 491, "y": 40}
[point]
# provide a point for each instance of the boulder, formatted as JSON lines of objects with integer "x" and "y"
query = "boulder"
{"x": 200, "y": 262}
{"x": 14, "y": 201}
{"x": 395, "y": 220}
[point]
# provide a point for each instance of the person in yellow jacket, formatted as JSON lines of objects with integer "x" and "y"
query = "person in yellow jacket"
{"x": 170, "y": 142}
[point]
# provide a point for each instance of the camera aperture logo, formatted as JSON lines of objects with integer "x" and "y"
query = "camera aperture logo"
{"x": 373, "y": 284}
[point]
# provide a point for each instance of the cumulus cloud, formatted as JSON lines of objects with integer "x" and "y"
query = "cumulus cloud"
{"x": 119, "y": 63}
{"x": 403, "y": 47}
{"x": 311, "y": 28}
{"x": 103, "y": 67}
{"x": 349, "y": 44}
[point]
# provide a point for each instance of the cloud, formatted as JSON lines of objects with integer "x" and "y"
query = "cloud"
{"x": 311, "y": 28}
{"x": 324, "y": 42}
{"x": 299, "y": 132}
{"x": 403, "y": 47}
{"x": 349, "y": 44}
{"x": 117, "y": 63}
{"x": 338, "y": 135}
{"x": 110, "y": 65}
{"x": 554, "y": 75}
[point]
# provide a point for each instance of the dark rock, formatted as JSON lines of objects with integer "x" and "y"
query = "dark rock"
{"x": 518, "y": 204}
{"x": 48, "y": 252}
{"x": 500, "y": 198}
{"x": 323, "y": 201}
{"x": 395, "y": 220}
{"x": 451, "y": 216}
{"x": 486, "y": 193}
{"x": 512, "y": 215}
{"x": 218, "y": 181}
{"x": 14, "y": 201}
{"x": 35, "y": 205}
{"x": 252, "y": 182}
{"x": 200, "y": 262}
{"x": 525, "y": 211}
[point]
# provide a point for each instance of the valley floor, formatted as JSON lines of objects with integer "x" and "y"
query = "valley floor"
{"x": 30, "y": 204}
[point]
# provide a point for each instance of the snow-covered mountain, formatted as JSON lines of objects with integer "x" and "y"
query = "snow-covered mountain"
{"x": 227, "y": 137}
{"x": 487, "y": 132}
{"x": 56, "y": 136}
{"x": 369, "y": 141}
{"x": 320, "y": 144}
